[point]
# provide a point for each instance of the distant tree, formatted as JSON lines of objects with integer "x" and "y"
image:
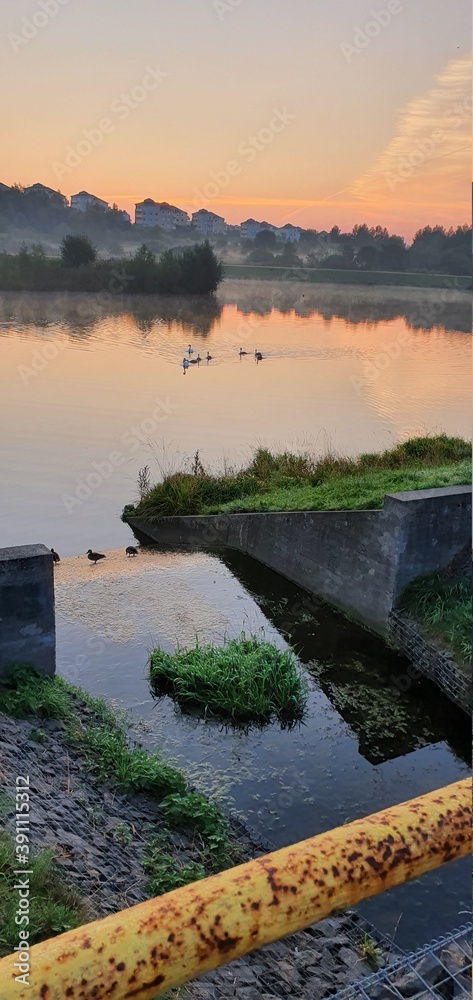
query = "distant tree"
{"x": 143, "y": 270}
{"x": 260, "y": 256}
{"x": 169, "y": 273}
{"x": 265, "y": 240}
{"x": 368, "y": 258}
{"x": 77, "y": 251}
{"x": 289, "y": 256}
{"x": 201, "y": 270}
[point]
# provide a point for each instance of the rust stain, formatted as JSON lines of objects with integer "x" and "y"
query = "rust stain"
{"x": 192, "y": 930}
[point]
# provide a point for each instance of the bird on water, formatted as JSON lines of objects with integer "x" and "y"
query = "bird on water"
{"x": 190, "y": 349}
{"x": 131, "y": 551}
{"x": 209, "y": 356}
{"x": 258, "y": 356}
{"x": 242, "y": 352}
{"x": 56, "y": 557}
{"x": 95, "y": 556}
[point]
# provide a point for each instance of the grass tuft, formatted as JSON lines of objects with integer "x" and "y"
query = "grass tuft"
{"x": 444, "y": 609}
{"x": 243, "y": 680}
{"x": 54, "y": 906}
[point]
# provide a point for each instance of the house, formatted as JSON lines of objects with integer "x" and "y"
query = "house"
{"x": 251, "y": 228}
{"x": 83, "y": 201}
{"x": 290, "y": 233}
{"x": 54, "y": 196}
{"x": 155, "y": 213}
{"x": 209, "y": 224}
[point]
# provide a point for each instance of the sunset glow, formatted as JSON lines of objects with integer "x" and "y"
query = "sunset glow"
{"x": 315, "y": 114}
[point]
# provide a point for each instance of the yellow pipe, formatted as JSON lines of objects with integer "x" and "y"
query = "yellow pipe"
{"x": 147, "y": 949}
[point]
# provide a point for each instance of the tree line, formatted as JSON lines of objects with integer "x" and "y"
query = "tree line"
{"x": 193, "y": 271}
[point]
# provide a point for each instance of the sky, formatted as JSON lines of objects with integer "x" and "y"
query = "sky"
{"x": 313, "y": 112}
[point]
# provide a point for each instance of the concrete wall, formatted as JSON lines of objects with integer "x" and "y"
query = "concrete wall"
{"x": 359, "y": 561}
{"x": 27, "y": 621}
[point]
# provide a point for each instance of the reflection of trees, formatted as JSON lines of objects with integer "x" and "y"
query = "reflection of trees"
{"x": 81, "y": 314}
{"x": 420, "y": 308}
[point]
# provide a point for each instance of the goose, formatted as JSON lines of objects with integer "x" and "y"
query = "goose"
{"x": 242, "y": 352}
{"x": 190, "y": 349}
{"x": 56, "y": 557}
{"x": 131, "y": 551}
{"x": 94, "y": 556}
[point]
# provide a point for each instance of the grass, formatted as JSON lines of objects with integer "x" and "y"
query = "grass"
{"x": 304, "y": 482}
{"x": 346, "y": 277}
{"x": 54, "y": 906}
{"x": 443, "y": 608}
{"x": 243, "y": 680}
{"x": 101, "y": 739}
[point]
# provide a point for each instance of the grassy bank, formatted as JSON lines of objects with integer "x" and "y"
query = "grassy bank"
{"x": 303, "y": 482}
{"x": 98, "y": 736}
{"x": 416, "y": 279}
{"x": 243, "y": 680}
{"x": 443, "y": 609}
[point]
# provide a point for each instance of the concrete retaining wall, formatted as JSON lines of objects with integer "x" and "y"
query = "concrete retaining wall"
{"x": 27, "y": 622}
{"x": 439, "y": 666}
{"x": 358, "y": 561}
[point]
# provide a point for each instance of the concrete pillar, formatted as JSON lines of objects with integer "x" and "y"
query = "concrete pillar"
{"x": 27, "y": 620}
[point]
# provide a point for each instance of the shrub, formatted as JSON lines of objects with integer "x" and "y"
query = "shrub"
{"x": 76, "y": 251}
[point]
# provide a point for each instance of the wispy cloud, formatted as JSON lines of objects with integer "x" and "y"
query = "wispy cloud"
{"x": 428, "y": 158}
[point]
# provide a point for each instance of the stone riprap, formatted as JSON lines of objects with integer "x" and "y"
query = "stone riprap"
{"x": 430, "y": 661}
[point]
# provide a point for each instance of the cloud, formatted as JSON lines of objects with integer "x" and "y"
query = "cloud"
{"x": 427, "y": 162}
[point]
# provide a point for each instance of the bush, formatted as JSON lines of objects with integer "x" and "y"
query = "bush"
{"x": 77, "y": 251}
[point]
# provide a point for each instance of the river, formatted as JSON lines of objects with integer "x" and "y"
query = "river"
{"x": 91, "y": 390}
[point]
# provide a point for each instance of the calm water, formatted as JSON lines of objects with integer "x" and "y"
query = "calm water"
{"x": 363, "y": 745}
{"x": 90, "y": 391}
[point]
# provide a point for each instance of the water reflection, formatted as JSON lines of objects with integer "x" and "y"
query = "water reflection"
{"x": 362, "y": 677}
{"x": 81, "y": 314}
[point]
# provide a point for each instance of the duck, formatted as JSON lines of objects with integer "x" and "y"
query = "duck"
{"x": 209, "y": 356}
{"x": 190, "y": 349}
{"x": 242, "y": 352}
{"x": 131, "y": 551}
{"x": 258, "y": 356}
{"x": 94, "y": 556}
{"x": 56, "y": 557}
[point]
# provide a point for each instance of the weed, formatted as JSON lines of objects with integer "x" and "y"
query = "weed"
{"x": 245, "y": 679}
{"x": 122, "y": 834}
{"x": 194, "y": 813}
{"x": 369, "y": 952}
{"x": 165, "y": 873}
{"x": 54, "y": 906}
{"x": 38, "y": 735}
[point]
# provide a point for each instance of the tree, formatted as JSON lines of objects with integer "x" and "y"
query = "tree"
{"x": 201, "y": 270}
{"x": 77, "y": 251}
{"x": 260, "y": 256}
{"x": 265, "y": 240}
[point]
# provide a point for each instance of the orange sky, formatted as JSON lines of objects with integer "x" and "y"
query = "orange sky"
{"x": 307, "y": 113}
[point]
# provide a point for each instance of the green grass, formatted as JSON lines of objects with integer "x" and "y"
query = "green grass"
{"x": 101, "y": 739}
{"x": 54, "y": 906}
{"x": 243, "y": 680}
{"x": 443, "y": 608}
{"x": 337, "y": 276}
{"x": 305, "y": 482}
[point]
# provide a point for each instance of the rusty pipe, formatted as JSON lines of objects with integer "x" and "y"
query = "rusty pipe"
{"x": 150, "y": 948}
